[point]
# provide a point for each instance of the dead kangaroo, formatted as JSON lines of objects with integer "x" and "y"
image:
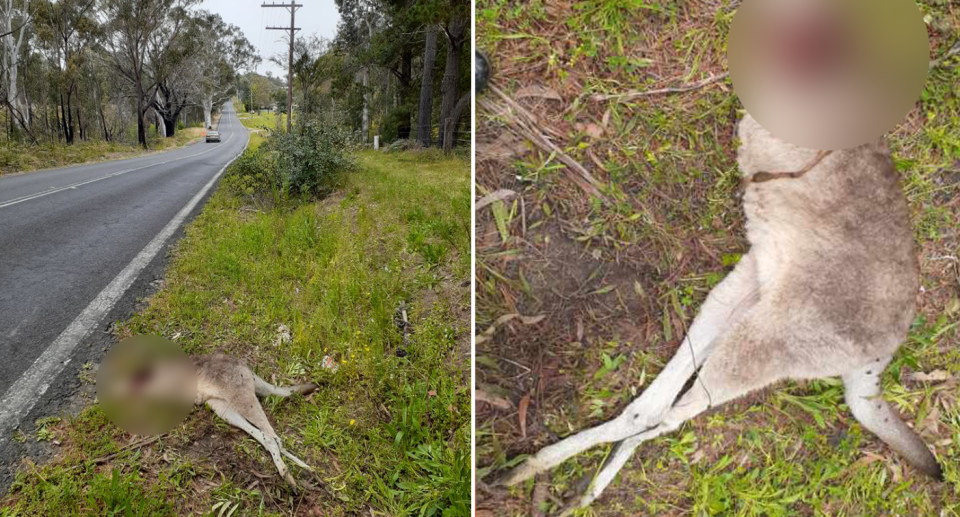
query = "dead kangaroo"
{"x": 827, "y": 289}
{"x": 230, "y": 388}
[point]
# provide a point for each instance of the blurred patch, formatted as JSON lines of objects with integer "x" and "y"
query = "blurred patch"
{"x": 146, "y": 385}
{"x": 828, "y": 74}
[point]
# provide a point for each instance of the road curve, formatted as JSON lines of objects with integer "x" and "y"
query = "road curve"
{"x": 74, "y": 243}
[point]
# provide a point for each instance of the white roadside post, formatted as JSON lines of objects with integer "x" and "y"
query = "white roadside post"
{"x": 376, "y": 142}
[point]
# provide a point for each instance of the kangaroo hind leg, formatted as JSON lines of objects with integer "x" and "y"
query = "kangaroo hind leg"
{"x": 233, "y": 417}
{"x": 721, "y": 380}
{"x": 726, "y": 305}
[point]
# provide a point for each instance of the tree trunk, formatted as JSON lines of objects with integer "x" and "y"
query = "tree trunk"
{"x": 103, "y": 124}
{"x": 64, "y": 130}
{"x": 141, "y": 128}
{"x": 168, "y": 109}
{"x": 451, "y": 74}
{"x": 161, "y": 123}
{"x": 450, "y": 130}
{"x": 406, "y": 76}
{"x": 103, "y": 119}
{"x": 59, "y": 125}
{"x": 11, "y": 44}
{"x": 70, "y": 130}
{"x": 170, "y": 123}
{"x": 80, "y": 122}
{"x": 424, "y": 121}
{"x": 207, "y": 102}
{"x": 365, "y": 117}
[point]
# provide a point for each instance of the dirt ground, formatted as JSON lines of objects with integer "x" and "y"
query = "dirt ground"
{"x": 580, "y": 302}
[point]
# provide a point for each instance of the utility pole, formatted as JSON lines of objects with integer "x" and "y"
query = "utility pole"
{"x": 292, "y": 7}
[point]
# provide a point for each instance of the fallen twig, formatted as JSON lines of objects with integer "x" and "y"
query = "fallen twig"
{"x": 134, "y": 445}
{"x": 527, "y": 125}
{"x": 493, "y": 400}
{"x": 502, "y": 320}
{"x": 499, "y": 195}
{"x": 950, "y": 53}
{"x": 636, "y": 94}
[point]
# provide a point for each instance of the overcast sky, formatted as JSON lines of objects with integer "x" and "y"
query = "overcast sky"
{"x": 318, "y": 17}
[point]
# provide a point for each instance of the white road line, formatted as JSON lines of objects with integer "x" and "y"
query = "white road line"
{"x": 24, "y": 393}
{"x": 54, "y": 190}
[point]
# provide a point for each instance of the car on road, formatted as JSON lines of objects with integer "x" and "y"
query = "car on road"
{"x": 213, "y": 136}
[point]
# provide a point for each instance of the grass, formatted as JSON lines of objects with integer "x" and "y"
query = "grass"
{"x": 388, "y": 435}
{"x": 22, "y": 158}
{"x": 608, "y": 290}
{"x": 260, "y": 125}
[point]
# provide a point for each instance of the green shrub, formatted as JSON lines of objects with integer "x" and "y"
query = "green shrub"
{"x": 310, "y": 157}
{"x": 397, "y": 117}
{"x": 254, "y": 172}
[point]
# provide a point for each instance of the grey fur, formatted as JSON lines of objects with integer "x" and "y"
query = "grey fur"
{"x": 230, "y": 388}
{"x": 827, "y": 289}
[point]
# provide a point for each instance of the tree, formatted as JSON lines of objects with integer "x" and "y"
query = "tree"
{"x": 216, "y": 61}
{"x": 79, "y": 69}
{"x": 395, "y": 49}
{"x": 450, "y": 130}
{"x": 279, "y": 101}
{"x": 169, "y": 102}
{"x": 379, "y": 76}
{"x": 424, "y": 119}
{"x": 261, "y": 91}
{"x": 308, "y": 70}
{"x": 14, "y": 22}
{"x": 454, "y": 33}
{"x": 67, "y": 27}
{"x": 140, "y": 36}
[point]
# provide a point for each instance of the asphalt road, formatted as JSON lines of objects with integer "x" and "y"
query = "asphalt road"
{"x": 78, "y": 246}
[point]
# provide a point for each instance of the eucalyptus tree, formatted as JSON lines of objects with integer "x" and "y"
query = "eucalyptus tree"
{"x": 15, "y": 18}
{"x": 217, "y": 59}
{"x": 394, "y": 49}
{"x": 140, "y": 40}
{"x": 65, "y": 30}
{"x": 309, "y": 71}
{"x": 360, "y": 20}
{"x": 379, "y": 41}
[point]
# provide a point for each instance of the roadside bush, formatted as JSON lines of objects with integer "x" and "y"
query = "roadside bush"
{"x": 308, "y": 159}
{"x": 254, "y": 172}
{"x": 306, "y": 162}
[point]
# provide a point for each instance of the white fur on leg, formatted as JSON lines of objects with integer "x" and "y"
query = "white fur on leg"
{"x": 609, "y": 470}
{"x": 295, "y": 459}
{"x": 726, "y": 302}
{"x": 689, "y": 406}
{"x": 553, "y": 455}
{"x": 232, "y": 417}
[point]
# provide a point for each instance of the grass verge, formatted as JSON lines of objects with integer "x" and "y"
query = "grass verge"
{"x": 388, "y": 435}
{"x": 24, "y": 158}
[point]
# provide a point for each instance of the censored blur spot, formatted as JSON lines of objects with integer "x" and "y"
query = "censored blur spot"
{"x": 146, "y": 385}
